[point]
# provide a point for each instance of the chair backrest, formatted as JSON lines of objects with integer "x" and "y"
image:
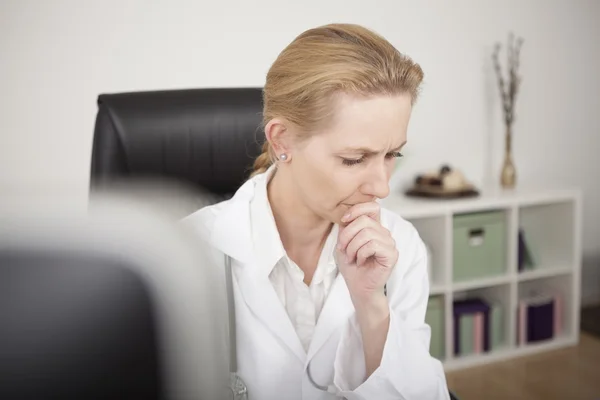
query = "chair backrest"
{"x": 208, "y": 138}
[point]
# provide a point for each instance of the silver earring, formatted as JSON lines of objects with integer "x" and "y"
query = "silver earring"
{"x": 283, "y": 157}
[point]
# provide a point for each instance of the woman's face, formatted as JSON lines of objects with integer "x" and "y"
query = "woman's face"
{"x": 352, "y": 160}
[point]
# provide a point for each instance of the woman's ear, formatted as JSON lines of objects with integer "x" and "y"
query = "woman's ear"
{"x": 278, "y": 135}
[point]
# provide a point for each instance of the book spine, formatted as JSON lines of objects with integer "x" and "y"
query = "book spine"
{"x": 522, "y": 322}
{"x": 521, "y": 251}
{"x": 486, "y": 329}
{"x": 478, "y": 333}
{"x": 456, "y": 334}
{"x": 558, "y": 315}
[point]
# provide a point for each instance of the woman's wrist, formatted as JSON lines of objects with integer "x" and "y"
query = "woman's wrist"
{"x": 372, "y": 311}
{"x": 373, "y": 317}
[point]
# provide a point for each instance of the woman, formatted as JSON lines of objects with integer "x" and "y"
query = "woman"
{"x": 330, "y": 289}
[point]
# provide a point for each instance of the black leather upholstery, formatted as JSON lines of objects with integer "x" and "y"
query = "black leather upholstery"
{"x": 206, "y": 137}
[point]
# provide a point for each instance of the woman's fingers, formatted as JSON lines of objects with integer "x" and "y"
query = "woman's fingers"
{"x": 370, "y": 209}
{"x": 368, "y": 250}
{"x": 376, "y": 237}
{"x": 384, "y": 254}
{"x": 364, "y": 236}
{"x": 348, "y": 232}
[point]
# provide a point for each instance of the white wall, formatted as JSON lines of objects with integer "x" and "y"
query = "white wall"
{"x": 57, "y": 56}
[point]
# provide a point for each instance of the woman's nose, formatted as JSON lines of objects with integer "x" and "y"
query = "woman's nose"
{"x": 378, "y": 183}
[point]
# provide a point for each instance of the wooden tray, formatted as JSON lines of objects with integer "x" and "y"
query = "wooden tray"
{"x": 440, "y": 193}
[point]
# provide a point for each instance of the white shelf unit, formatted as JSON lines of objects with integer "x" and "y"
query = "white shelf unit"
{"x": 551, "y": 220}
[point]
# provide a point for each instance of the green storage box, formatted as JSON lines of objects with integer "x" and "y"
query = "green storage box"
{"x": 479, "y": 245}
{"x": 435, "y": 319}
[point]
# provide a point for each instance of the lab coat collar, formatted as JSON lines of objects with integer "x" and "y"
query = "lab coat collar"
{"x": 231, "y": 230}
{"x": 265, "y": 235}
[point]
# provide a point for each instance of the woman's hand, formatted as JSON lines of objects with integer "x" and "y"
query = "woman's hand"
{"x": 366, "y": 255}
{"x": 366, "y": 252}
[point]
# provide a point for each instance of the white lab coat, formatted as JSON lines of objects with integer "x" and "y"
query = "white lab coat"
{"x": 271, "y": 359}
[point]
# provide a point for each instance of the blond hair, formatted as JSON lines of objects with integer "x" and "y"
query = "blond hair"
{"x": 323, "y": 62}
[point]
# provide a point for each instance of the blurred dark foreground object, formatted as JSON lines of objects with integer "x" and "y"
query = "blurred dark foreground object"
{"x": 119, "y": 304}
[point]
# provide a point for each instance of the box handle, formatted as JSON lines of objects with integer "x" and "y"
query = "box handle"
{"x": 476, "y": 237}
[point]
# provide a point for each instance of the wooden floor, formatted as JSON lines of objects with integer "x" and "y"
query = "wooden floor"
{"x": 570, "y": 373}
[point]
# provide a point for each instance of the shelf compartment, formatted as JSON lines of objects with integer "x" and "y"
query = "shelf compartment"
{"x": 480, "y": 321}
{"x": 548, "y": 236}
{"x": 544, "y": 310}
{"x": 432, "y": 231}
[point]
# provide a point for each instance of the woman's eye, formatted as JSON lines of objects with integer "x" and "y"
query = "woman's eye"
{"x": 352, "y": 161}
{"x": 394, "y": 154}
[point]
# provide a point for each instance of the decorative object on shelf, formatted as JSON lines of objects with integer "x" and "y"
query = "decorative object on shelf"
{"x": 445, "y": 183}
{"x": 508, "y": 92}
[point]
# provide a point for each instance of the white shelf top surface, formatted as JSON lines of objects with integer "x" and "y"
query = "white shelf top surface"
{"x": 413, "y": 207}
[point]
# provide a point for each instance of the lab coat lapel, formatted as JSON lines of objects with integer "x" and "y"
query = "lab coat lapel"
{"x": 336, "y": 311}
{"x": 261, "y": 298}
{"x": 231, "y": 229}
{"x": 232, "y": 235}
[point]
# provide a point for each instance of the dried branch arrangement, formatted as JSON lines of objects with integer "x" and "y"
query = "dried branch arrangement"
{"x": 509, "y": 87}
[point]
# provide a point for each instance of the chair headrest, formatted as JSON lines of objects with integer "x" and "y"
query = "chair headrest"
{"x": 208, "y": 138}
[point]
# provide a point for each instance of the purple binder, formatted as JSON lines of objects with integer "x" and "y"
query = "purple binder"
{"x": 540, "y": 321}
{"x": 469, "y": 306}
